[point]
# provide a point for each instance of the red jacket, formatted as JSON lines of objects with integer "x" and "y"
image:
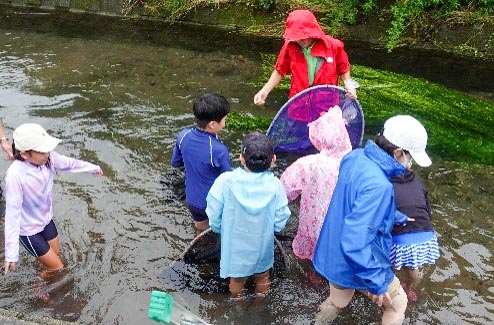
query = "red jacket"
{"x": 292, "y": 60}
{"x": 333, "y": 60}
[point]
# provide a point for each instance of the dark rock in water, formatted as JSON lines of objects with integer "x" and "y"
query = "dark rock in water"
{"x": 197, "y": 278}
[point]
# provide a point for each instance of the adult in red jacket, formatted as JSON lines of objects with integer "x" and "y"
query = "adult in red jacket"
{"x": 310, "y": 56}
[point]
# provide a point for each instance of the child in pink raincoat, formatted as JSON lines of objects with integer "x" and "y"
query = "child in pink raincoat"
{"x": 313, "y": 178}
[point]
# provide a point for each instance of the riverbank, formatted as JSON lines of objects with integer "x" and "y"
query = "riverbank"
{"x": 458, "y": 34}
{"x": 462, "y": 34}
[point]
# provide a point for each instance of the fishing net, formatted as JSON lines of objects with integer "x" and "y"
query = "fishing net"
{"x": 288, "y": 130}
{"x": 198, "y": 268}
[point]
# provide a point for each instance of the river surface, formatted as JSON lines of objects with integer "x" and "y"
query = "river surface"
{"x": 117, "y": 96}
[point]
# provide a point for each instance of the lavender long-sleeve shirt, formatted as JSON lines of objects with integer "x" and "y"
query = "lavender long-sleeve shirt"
{"x": 29, "y": 200}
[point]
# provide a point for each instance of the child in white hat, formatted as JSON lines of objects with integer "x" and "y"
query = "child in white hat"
{"x": 415, "y": 243}
{"x": 28, "y": 195}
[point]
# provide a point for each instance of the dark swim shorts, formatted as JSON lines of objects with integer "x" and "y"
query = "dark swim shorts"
{"x": 37, "y": 245}
{"x": 198, "y": 215}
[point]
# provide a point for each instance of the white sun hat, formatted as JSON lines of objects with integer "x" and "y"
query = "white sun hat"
{"x": 407, "y": 133}
{"x": 32, "y": 136}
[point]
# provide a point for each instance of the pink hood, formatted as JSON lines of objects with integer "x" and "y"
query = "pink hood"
{"x": 302, "y": 24}
{"x": 329, "y": 135}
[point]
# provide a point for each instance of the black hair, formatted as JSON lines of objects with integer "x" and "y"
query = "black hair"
{"x": 210, "y": 107}
{"x": 386, "y": 145}
{"x": 257, "y": 151}
{"x": 17, "y": 155}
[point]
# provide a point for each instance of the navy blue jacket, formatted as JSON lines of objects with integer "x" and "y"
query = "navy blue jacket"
{"x": 205, "y": 157}
{"x": 412, "y": 200}
{"x": 355, "y": 240}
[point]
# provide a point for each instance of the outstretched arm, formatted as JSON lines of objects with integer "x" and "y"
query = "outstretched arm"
{"x": 274, "y": 80}
{"x": 72, "y": 165}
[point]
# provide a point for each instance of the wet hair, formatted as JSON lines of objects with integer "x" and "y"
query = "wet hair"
{"x": 210, "y": 107}
{"x": 257, "y": 151}
{"x": 17, "y": 155}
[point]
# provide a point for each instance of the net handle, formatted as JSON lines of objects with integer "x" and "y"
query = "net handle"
{"x": 195, "y": 240}
{"x": 207, "y": 231}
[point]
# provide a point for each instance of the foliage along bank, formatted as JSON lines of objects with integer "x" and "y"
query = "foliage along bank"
{"x": 397, "y": 22}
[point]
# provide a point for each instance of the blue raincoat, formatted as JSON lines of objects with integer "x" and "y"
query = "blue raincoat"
{"x": 246, "y": 209}
{"x": 355, "y": 239}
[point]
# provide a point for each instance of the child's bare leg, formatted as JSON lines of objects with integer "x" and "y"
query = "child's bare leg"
{"x": 414, "y": 277}
{"x": 51, "y": 260}
{"x": 201, "y": 226}
{"x": 338, "y": 299}
{"x": 237, "y": 286}
{"x": 394, "y": 310}
{"x": 262, "y": 283}
{"x": 402, "y": 275}
{"x": 55, "y": 245}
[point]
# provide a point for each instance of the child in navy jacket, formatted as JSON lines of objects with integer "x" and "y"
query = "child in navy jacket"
{"x": 202, "y": 154}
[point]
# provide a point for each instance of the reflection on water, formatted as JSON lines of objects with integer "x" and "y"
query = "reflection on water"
{"x": 120, "y": 104}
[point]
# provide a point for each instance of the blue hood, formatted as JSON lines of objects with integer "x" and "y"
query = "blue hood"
{"x": 253, "y": 191}
{"x": 388, "y": 164}
{"x": 355, "y": 240}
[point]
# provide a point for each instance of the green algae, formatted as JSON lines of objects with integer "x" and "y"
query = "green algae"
{"x": 244, "y": 121}
{"x": 460, "y": 127}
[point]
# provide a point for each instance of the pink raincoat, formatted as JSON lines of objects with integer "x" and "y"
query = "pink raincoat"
{"x": 313, "y": 178}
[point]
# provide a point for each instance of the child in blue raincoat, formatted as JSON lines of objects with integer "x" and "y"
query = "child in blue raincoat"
{"x": 353, "y": 249}
{"x": 246, "y": 207}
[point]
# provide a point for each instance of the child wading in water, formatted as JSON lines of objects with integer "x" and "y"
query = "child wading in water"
{"x": 310, "y": 56}
{"x": 28, "y": 195}
{"x": 313, "y": 177}
{"x": 246, "y": 207}
{"x": 415, "y": 243}
{"x": 353, "y": 249}
{"x": 202, "y": 154}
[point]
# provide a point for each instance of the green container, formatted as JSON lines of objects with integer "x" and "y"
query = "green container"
{"x": 160, "y": 306}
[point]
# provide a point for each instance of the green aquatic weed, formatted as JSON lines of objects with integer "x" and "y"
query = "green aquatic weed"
{"x": 243, "y": 121}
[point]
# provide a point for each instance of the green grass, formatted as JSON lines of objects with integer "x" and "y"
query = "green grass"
{"x": 460, "y": 127}
{"x": 242, "y": 121}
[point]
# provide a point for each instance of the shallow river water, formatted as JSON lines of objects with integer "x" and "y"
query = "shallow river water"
{"x": 117, "y": 96}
